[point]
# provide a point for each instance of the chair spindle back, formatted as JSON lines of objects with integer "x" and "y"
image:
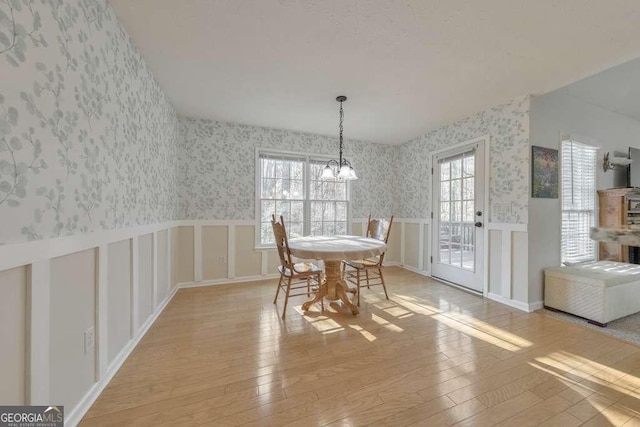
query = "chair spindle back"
{"x": 379, "y": 229}
{"x": 282, "y": 242}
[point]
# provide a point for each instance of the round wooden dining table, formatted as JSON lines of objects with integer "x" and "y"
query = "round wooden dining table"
{"x": 332, "y": 250}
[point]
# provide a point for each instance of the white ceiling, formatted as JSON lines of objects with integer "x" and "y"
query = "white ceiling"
{"x": 616, "y": 89}
{"x": 407, "y": 66}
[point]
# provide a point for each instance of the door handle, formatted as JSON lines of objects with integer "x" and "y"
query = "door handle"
{"x": 478, "y": 224}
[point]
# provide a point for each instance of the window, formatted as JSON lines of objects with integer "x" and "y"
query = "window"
{"x": 578, "y": 200}
{"x": 290, "y": 185}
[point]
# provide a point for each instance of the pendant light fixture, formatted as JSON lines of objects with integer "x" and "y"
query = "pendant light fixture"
{"x": 343, "y": 166}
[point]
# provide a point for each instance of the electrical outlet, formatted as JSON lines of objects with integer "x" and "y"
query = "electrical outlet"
{"x": 89, "y": 339}
{"x": 221, "y": 260}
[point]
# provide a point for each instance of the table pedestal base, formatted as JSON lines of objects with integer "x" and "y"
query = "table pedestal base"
{"x": 333, "y": 287}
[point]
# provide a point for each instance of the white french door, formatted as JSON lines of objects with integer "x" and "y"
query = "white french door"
{"x": 458, "y": 215}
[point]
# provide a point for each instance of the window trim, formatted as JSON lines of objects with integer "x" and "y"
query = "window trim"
{"x": 258, "y": 246}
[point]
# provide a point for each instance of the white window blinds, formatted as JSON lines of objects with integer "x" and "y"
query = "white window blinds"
{"x": 578, "y": 198}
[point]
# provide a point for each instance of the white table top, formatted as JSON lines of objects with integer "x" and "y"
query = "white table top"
{"x": 336, "y": 248}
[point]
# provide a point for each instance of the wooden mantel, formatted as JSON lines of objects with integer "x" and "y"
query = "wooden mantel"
{"x": 627, "y": 235}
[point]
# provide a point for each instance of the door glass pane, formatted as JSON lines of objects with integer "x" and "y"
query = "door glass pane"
{"x": 445, "y": 236}
{"x": 468, "y": 190}
{"x": 445, "y": 211}
{"x": 444, "y": 190}
{"x": 455, "y": 255}
{"x": 445, "y": 171}
{"x": 468, "y": 258}
{"x": 456, "y": 168}
{"x": 456, "y": 189}
{"x": 468, "y": 168}
{"x": 456, "y": 211}
{"x": 467, "y": 211}
{"x": 456, "y": 205}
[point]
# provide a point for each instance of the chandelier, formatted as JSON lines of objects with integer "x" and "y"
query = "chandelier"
{"x": 343, "y": 166}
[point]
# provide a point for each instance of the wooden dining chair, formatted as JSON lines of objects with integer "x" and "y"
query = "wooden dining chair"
{"x": 293, "y": 276}
{"x": 371, "y": 268}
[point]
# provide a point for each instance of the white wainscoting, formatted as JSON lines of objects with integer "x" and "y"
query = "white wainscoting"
{"x": 506, "y": 265}
{"x": 409, "y": 247}
{"x": 402, "y": 246}
{"x": 37, "y": 257}
{"x": 506, "y": 257}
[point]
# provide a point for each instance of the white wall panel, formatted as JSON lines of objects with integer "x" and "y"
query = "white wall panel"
{"x": 145, "y": 277}
{"x": 411, "y": 244}
{"x": 215, "y": 260}
{"x": 163, "y": 260}
{"x": 394, "y": 244}
{"x": 495, "y": 261}
{"x": 184, "y": 252}
{"x": 72, "y": 311}
{"x": 13, "y": 336}
{"x": 119, "y": 297}
{"x": 248, "y": 261}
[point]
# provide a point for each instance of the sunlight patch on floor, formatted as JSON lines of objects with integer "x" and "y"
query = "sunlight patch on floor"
{"x": 593, "y": 380}
{"x": 476, "y": 333}
{"x": 596, "y": 397}
{"x": 490, "y": 329}
{"x": 368, "y": 335}
{"x": 461, "y": 322}
{"x": 589, "y": 370}
{"x": 322, "y": 323}
{"x": 414, "y": 305}
{"x": 383, "y": 322}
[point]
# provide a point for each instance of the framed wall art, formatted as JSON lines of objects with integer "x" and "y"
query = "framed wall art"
{"x": 544, "y": 173}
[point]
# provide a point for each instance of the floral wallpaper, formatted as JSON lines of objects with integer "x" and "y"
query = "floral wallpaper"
{"x": 508, "y": 128}
{"x": 88, "y": 140}
{"x": 217, "y": 168}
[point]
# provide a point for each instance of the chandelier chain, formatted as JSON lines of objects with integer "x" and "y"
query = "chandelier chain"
{"x": 341, "y": 120}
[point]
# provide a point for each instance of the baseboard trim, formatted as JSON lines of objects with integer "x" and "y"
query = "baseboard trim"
{"x": 425, "y": 273}
{"x": 538, "y": 305}
{"x": 455, "y": 285}
{"x": 522, "y": 306}
{"x": 94, "y": 392}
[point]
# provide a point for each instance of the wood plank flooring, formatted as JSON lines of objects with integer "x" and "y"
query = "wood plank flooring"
{"x": 432, "y": 355}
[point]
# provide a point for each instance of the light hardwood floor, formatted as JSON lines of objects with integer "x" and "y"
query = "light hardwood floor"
{"x": 431, "y": 355}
